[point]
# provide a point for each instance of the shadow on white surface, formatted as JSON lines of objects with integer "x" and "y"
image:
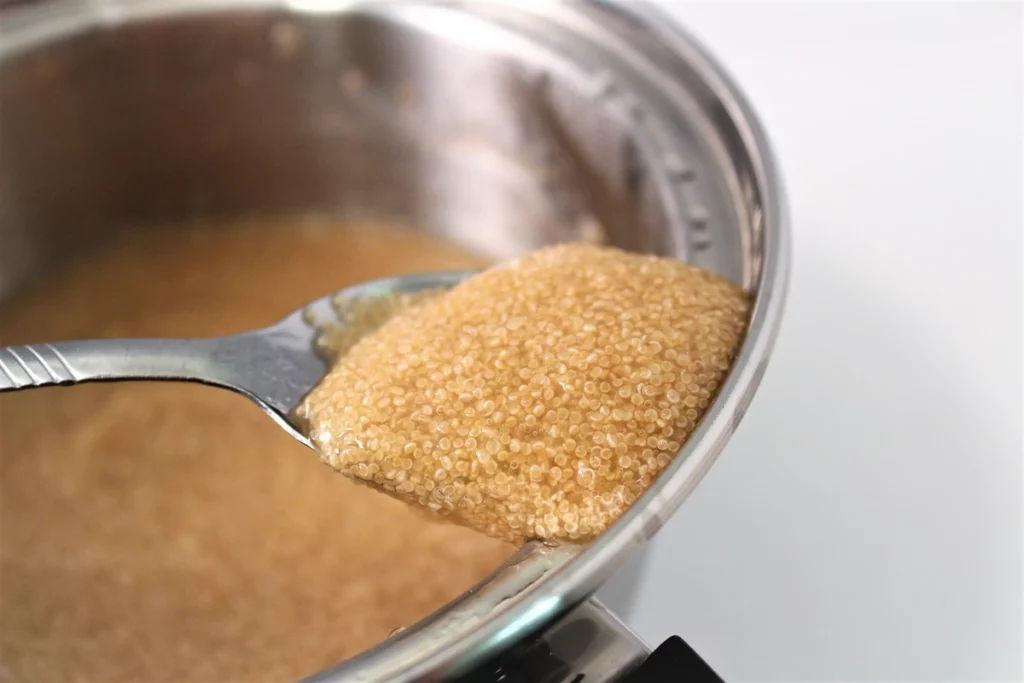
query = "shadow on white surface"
{"x": 620, "y": 592}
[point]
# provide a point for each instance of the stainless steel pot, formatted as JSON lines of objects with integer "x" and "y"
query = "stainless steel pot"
{"x": 496, "y": 124}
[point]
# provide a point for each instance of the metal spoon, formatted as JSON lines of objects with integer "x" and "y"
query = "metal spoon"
{"x": 275, "y": 367}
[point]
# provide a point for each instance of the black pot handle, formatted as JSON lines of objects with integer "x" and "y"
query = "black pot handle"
{"x": 673, "y": 660}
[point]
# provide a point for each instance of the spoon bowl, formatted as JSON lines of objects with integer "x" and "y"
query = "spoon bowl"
{"x": 275, "y": 367}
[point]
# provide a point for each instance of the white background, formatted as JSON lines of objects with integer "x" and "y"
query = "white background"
{"x": 865, "y": 522}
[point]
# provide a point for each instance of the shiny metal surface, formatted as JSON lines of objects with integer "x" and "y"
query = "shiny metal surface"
{"x": 587, "y": 645}
{"x": 499, "y": 125}
{"x": 591, "y": 642}
{"x": 274, "y": 367}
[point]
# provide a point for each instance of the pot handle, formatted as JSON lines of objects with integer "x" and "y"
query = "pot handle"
{"x": 673, "y": 660}
{"x": 591, "y": 645}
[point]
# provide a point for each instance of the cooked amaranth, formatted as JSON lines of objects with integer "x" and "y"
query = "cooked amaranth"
{"x": 538, "y": 399}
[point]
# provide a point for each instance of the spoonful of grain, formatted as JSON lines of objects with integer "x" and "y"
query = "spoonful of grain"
{"x": 538, "y": 399}
{"x": 535, "y": 400}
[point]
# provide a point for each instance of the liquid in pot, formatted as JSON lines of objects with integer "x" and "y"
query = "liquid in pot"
{"x": 171, "y": 532}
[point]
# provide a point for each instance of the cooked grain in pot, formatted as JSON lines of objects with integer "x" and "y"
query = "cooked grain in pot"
{"x": 538, "y": 399}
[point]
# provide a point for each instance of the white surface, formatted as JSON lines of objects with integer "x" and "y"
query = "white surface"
{"x": 865, "y": 523}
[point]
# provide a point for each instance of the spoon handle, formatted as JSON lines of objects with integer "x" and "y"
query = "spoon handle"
{"x": 40, "y": 365}
{"x": 274, "y": 367}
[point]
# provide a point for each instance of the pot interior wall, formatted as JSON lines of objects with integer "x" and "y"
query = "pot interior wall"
{"x": 221, "y": 115}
